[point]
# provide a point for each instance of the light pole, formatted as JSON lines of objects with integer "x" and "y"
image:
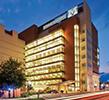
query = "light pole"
{"x": 29, "y": 86}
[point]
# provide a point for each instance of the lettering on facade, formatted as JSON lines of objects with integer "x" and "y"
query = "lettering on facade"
{"x": 72, "y": 12}
{"x": 68, "y": 14}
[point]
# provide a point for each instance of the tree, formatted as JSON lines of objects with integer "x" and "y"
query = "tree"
{"x": 12, "y": 73}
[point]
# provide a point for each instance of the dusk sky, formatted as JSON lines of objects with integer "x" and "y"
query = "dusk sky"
{"x": 20, "y": 14}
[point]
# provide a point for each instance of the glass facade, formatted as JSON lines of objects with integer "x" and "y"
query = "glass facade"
{"x": 77, "y": 62}
{"x": 45, "y": 59}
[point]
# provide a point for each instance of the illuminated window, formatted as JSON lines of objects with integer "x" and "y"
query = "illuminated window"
{"x": 76, "y": 44}
{"x": 45, "y": 39}
{"x": 44, "y": 59}
{"x": 56, "y": 67}
{"x": 45, "y": 53}
{"x": 46, "y": 76}
{"x": 45, "y": 46}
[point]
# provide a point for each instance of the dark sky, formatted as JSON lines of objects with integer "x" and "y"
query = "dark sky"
{"x": 20, "y": 14}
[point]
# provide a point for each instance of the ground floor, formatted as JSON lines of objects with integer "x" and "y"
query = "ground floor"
{"x": 62, "y": 87}
{"x": 69, "y": 86}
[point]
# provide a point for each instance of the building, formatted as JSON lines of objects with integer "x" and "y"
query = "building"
{"x": 10, "y": 45}
{"x": 95, "y": 57}
{"x": 63, "y": 53}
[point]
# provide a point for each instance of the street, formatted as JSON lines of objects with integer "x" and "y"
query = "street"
{"x": 88, "y": 96}
{"x": 97, "y": 97}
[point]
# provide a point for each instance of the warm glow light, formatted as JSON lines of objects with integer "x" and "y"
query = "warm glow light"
{"x": 53, "y": 43}
{"x": 45, "y": 39}
{"x": 44, "y": 59}
{"x": 45, "y": 53}
{"x": 58, "y": 57}
{"x": 46, "y": 76}
{"x": 55, "y": 67}
{"x": 76, "y": 44}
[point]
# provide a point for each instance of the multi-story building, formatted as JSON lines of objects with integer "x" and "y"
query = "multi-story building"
{"x": 95, "y": 57}
{"x": 11, "y": 45}
{"x": 63, "y": 53}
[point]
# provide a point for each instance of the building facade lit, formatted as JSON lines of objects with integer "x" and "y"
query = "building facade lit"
{"x": 45, "y": 59}
{"x": 11, "y": 45}
{"x": 63, "y": 53}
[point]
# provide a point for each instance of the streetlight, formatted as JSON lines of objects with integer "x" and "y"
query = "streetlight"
{"x": 29, "y": 85}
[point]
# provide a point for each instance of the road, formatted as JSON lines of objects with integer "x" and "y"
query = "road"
{"x": 96, "y": 97}
{"x": 88, "y": 96}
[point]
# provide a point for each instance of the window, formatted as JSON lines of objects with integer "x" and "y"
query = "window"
{"x": 45, "y": 39}
{"x": 82, "y": 40}
{"x": 83, "y": 56}
{"x": 84, "y": 65}
{"x": 89, "y": 65}
{"x": 83, "y": 48}
{"x": 76, "y": 48}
